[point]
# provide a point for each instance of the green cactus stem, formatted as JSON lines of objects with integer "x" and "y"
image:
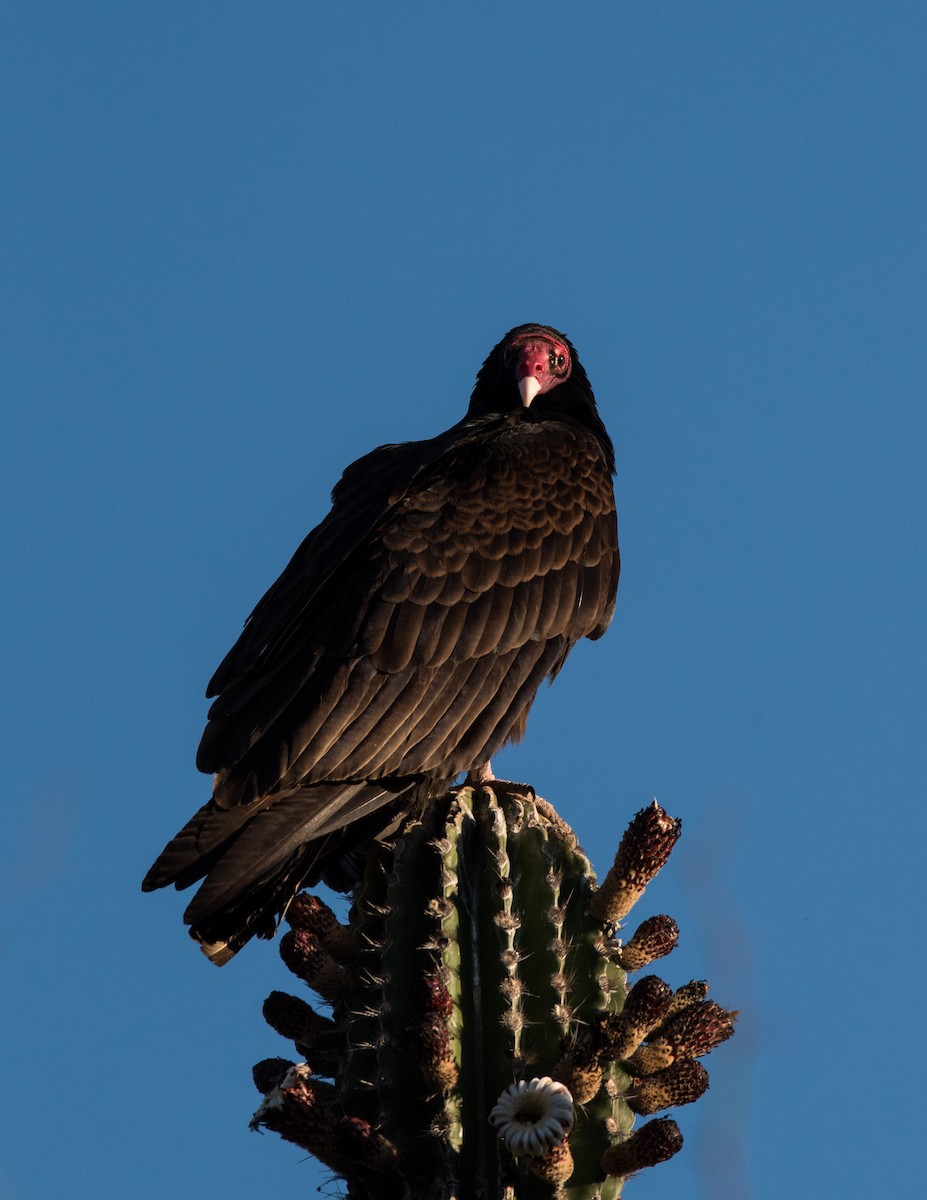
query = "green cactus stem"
{"x": 484, "y": 1041}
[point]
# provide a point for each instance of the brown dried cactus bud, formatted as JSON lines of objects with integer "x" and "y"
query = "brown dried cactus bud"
{"x": 647, "y": 1002}
{"x": 314, "y": 915}
{"x": 556, "y": 1166}
{"x": 436, "y": 1054}
{"x": 692, "y": 1032}
{"x": 309, "y": 912}
{"x": 579, "y": 1067}
{"x": 690, "y": 993}
{"x": 698, "y": 1028}
{"x": 647, "y": 1060}
{"x": 295, "y": 1110}
{"x": 362, "y": 1145}
{"x": 435, "y": 996}
{"x": 269, "y": 1072}
{"x": 618, "y": 1035}
{"x": 682, "y": 1083}
{"x": 306, "y": 957}
{"x": 653, "y": 1143}
{"x": 644, "y": 849}
{"x": 580, "y": 1070}
{"x": 296, "y": 1020}
{"x": 653, "y": 939}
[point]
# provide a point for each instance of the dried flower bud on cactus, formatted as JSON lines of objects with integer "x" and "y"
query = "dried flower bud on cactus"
{"x": 682, "y": 1083}
{"x": 654, "y": 938}
{"x": 555, "y": 1167}
{"x": 644, "y": 849}
{"x": 653, "y": 1143}
{"x": 295, "y": 1019}
{"x": 314, "y": 915}
{"x": 436, "y": 1053}
{"x": 690, "y": 993}
{"x": 358, "y": 1142}
{"x": 306, "y": 957}
{"x": 580, "y": 1069}
{"x": 692, "y": 1032}
{"x": 270, "y": 1073}
{"x": 619, "y": 1035}
{"x": 435, "y": 996}
{"x": 296, "y": 1109}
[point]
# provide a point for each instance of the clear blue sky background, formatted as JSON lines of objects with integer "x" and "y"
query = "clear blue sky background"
{"x": 245, "y": 243}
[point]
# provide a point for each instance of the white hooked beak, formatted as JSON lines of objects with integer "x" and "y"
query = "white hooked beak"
{"x": 528, "y": 387}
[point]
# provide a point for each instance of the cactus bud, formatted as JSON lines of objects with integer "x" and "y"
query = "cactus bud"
{"x": 619, "y": 1035}
{"x": 556, "y": 1166}
{"x": 269, "y": 1073}
{"x": 436, "y": 1053}
{"x": 653, "y": 939}
{"x": 690, "y": 993}
{"x": 653, "y": 1143}
{"x": 692, "y": 1032}
{"x": 682, "y": 1083}
{"x": 644, "y": 849}
{"x": 580, "y": 1070}
{"x": 306, "y": 957}
{"x": 295, "y": 1110}
{"x": 360, "y": 1143}
{"x": 314, "y": 915}
{"x": 295, "y": 1019}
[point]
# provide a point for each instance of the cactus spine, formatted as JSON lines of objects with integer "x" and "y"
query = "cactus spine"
{"x": 480, "y": 956}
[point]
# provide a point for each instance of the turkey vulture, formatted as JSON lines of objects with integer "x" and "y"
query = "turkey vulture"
{"x": 405, "y": 642}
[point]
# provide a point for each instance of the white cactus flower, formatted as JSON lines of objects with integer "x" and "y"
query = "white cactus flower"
{"x": 533, "y": 1115}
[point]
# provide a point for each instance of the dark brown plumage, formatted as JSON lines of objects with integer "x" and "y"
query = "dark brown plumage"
{"x": 406, "y": 640}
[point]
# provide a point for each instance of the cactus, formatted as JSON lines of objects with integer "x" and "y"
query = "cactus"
{"x": 484, "y": 1041}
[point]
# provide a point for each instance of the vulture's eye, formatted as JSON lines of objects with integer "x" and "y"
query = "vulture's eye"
{"x": 561, "y": 359}
{"x": 554, "y": 361}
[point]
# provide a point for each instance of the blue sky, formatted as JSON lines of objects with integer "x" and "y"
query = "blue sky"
{"x": 244, "y": 244}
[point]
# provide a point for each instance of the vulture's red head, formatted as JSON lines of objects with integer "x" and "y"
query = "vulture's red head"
{"x": 534, "y": 370}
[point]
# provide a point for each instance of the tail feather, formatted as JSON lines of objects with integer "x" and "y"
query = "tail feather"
{"x": 194, "y": 850}
{"x": 255, "y": 858}
{"x": 286, "y": 829}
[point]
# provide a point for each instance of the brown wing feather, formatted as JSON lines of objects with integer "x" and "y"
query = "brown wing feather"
{"x": 508, "y": 539}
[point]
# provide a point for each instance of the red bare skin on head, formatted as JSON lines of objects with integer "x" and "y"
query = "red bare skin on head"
{"x": 543, "y": 358}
